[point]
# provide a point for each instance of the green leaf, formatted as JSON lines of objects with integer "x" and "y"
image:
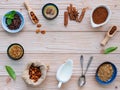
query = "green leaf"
{"x": 109, "y": 50}
{"x": 9, "y": 21}
{"x": 10, "y": 15}
{"x": 13, "y": 12}
{"x": 11, "y": 72}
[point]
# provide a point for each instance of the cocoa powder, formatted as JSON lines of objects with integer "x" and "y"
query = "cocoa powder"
{"x": 114, "y": 28}
{"x": 100, "y": 15}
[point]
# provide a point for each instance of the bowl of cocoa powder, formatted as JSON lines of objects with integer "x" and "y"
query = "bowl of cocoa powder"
{"x": 13, "y": 21}
{"x": 100, "y": 15}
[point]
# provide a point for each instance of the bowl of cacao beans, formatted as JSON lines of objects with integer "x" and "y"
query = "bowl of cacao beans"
{"x": 13, "y": 21}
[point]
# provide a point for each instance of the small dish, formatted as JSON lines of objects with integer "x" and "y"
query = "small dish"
{"x": 94, "y": 25}
{"x": 50, "y": 11}
{"x": 4, "y": 25}
{"x": 113, "y": 75}
{"x": 64, "y": 72}
{"x": 15, "y": 51}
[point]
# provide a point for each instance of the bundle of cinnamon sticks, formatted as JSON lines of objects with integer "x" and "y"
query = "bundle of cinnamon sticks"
{"x": 73, "y": 14}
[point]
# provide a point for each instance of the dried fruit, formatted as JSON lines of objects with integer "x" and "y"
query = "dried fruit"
{"x": 43, "y": 32}
{"x": 39, "y": 25}
{"x": 37, "y": 30}
{"x": 34, "y": 72}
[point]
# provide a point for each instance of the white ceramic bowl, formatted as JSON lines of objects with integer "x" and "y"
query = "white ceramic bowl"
{"x": 4, "y": 25}
{"x": 94, "y": 25}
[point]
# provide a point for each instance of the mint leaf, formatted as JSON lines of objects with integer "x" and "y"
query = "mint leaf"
{"x": 11, "y": 72}
{"x": 10, "y": 15}
{"x": 9, "y": 21}
{"x": 109, "y": 50}
{"x": 13, "y": 12}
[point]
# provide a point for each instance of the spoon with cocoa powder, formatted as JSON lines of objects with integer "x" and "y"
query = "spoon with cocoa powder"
{"x": 111, "y": 32}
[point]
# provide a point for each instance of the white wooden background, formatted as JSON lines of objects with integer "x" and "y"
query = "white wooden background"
{"x": 59, "y": 44}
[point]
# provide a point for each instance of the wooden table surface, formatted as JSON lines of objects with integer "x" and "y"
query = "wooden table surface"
{"x": 59, "y": 44}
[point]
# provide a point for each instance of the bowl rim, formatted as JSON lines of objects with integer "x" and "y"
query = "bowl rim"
{"x": 94, "y": 25}
{"x": 112, "y": 77}
{"x": 16, "y": 30}
{"x": 10, "y": 47}
{"x": 48, "y": 5}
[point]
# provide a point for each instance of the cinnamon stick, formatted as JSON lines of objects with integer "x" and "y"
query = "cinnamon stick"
{"x": 82, "y": 14}
{"x": 65, "y": 18}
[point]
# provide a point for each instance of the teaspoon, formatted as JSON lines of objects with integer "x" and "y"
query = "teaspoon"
{"x": 82, "y": 79}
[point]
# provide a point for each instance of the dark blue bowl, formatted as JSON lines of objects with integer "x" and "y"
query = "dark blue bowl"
{"x": 112, "y": 77}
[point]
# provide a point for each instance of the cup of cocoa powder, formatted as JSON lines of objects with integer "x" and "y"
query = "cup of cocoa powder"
{"x": 100, "y": 16}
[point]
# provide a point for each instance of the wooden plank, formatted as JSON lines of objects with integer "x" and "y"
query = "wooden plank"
{"x": 55, "y": 60}
{"x": 51, "y": 84}
{"x": 58, "y": 22}
{"x": 58, "y": 42}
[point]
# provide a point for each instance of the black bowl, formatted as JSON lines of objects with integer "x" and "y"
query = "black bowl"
{"x": 53, "y": 5}
{"x": 13, "y": 57}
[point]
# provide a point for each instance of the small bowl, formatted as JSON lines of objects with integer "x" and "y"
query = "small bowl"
{"x": 12, "y": 46}
{"x": 50, "y": 17}
{"x": 4, "y": 25}
{"x": 94, "y": 25}
{"x": 112, "y": 77}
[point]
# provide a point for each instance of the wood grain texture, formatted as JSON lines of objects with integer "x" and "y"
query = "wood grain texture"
{"x": 59, "y": 44}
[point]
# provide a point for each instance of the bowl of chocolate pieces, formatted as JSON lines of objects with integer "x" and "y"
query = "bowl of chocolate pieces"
{"x": 35, "y": 73}
{"x": 13, "y": 21}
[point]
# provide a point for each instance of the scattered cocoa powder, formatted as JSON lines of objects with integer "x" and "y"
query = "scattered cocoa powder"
{"x": 8, "y": 80}
{"x": 116, "y": 87}
{"x": 20, "y": 9}
{"x": 113, "y": 29}
{"x": 100, "y": 15}
{"x": 65, "y": 18}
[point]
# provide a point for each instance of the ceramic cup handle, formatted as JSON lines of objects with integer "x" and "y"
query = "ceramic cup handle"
{"x": 59, "y": 85}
